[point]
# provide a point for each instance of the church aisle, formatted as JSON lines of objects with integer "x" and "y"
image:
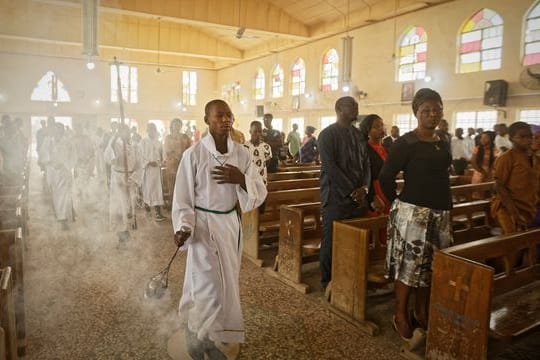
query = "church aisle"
{"x": 84, "y": 297}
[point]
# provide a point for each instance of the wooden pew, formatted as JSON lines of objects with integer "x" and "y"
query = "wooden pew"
{"x": 288, "y": 175}
{"x": 292, "y": 184}
{"x": 358, "y": 255}
{"x": 268, "y": 223}
{"x": 471, "y": 221}
{"x": 8, "y": 335}
{"x": 299, "y": 168}
{"x": 471, "y": 300}
{"x": 12, "y": 255}
{"x": 465, "y": 193}
{"x": 299, "y": 242}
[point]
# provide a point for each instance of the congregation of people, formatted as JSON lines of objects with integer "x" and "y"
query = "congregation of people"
{"x": 208, "y": 181}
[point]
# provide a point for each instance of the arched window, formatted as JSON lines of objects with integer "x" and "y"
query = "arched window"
{"x": 277, "y": 81}
{"x": 50, "y": 88}
{"x": 532, "y": 36}
{"x": 258, "y": 85}
{"x": 298, "y": 77}
{"x": 412, "y": 54}
{"x": 481, "y": 42}
{"x": 329, "y": 78}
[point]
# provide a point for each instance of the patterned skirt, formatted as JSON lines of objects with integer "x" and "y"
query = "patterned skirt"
{"x": 413, "y": 234}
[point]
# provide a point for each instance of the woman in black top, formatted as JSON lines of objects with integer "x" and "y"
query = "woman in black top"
{"x": 419, "y": 219}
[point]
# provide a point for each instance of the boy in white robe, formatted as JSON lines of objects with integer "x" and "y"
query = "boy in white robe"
{"x": 151, "y": 159}
{"x": 214, "y": 175}
{"x": 58, "y": 156}
{"x": 123, "y": 194}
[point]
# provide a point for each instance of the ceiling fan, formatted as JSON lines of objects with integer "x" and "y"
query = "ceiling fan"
{"x": 530, "y": 77}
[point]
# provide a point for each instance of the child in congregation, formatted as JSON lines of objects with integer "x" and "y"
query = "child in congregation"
{"x": 517, "y": 181}
{"x": 261, "y": 152}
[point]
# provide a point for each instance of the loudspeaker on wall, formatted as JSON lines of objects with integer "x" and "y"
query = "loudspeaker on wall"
{"x": 495, "y": 92}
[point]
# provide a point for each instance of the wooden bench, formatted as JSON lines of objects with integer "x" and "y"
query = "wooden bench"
{"x": 268, "y": 223}
{"x": 300, "y": 234}
{"x": 299, "y": 168}
{"x": 358, "y": 255}
{"x": 466, "y": 193}
{"x": 8, "y": 333}
{"x": 292, "y": 184}
{"x": 288, "y": 175}
{"x": 471, "y": 300}
{"x": 471, "y": 221}
{"x": 12, "y": 255}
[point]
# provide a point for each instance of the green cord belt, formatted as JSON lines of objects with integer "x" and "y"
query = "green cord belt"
{"x": 215, "y": 211}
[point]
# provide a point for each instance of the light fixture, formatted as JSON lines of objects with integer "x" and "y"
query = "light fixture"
{"x": 184, "y": 109}
{"x": 90, "y": 65}
{"x": 427, "y": 78}
{"x": 55, "y": 104}
{"x": 97, "y": 102}
{"x": 243, "y": 102}
{"x": 346, "y": 88}
{"x": 307, "y": 95}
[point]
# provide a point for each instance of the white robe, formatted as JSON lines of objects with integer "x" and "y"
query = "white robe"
{"x": 152, "y": 191}
{"x": 122, "y": 196}
{"x": 211, "y": 299}
{"x": 59, "y": 159}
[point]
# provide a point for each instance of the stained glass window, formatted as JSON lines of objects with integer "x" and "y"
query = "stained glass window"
{"x": 532, "y": 36}
{"x": 50, "y": 88}
{"x": 330, "y": 71}
{"x": 258, "y": 85}
{"x": 189, "y": 88}
{"x": 128, "y": 79}
{"x": 412, "y": 54}
{"x": 481, "y": 42}
{"x": 277, "y": 81}
{"x": 298, "y": 77}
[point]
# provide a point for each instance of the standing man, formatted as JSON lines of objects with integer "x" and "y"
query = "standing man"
{"x": 123, "y": 157}
{"x": 175, "y": 145}
{"x": 273, "y": 138}
{"x": 390, "y": 140}
{"x": 40, "y": 136}
{"x": 293, "y": 140}
{"x": 151, "y": 159}
{"x": 59, "y": 159}
{"x": 502, "y": 140}
{"x": 460, "y": 152}
{"x": 345, "y": 176}
{"x": 214, "y": 175}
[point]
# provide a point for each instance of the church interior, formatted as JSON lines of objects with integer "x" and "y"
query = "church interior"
{"x": 69, "y": 291}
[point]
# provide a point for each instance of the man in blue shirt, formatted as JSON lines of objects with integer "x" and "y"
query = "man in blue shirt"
{"x": 345, "y": 175}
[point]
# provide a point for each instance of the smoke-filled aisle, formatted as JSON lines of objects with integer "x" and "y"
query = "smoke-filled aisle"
{"x": 84, "y": 296}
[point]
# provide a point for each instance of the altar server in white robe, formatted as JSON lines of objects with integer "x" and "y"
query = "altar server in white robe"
{"x": 151, "y": 159}
{"x": 123, "y": 194}
{"x": 214, "y": 175}
{"x": 58, "y": 155}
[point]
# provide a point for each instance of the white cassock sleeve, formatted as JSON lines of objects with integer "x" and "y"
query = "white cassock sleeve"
{"x": 183, "y": 205}
{"x": 255, "y": 192}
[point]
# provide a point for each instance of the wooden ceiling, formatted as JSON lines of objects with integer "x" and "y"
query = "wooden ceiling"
{"x": 209, "y": 34}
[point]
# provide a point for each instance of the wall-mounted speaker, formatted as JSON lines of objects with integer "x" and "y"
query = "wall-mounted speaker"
{"x": 495, "y": 92}
{"x": 259, "y": 110}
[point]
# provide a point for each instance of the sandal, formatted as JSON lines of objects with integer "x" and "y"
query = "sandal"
{"x": 417, "y": 339}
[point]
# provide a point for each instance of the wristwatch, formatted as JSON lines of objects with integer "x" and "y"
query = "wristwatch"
{"x": 184, "y": 230}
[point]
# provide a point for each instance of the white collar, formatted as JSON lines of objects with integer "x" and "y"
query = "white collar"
{"x": 210, "y": 145}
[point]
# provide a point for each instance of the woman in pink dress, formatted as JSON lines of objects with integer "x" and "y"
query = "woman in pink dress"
{"x": 482, "y": 161}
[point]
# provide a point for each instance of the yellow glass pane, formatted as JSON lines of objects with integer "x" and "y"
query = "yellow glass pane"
{"x": 469, "y": 26}
{"x": 407, "y": 50}
{"x": 471, "y": 67}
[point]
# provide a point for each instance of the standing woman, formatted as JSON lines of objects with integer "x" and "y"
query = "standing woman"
{"x": 372, "y": 127}
{"x": 419, "y": 220}
{"x": 175, "y": 145}
{"x": 483, "y": 161}
{"x": 309, "y": 149}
